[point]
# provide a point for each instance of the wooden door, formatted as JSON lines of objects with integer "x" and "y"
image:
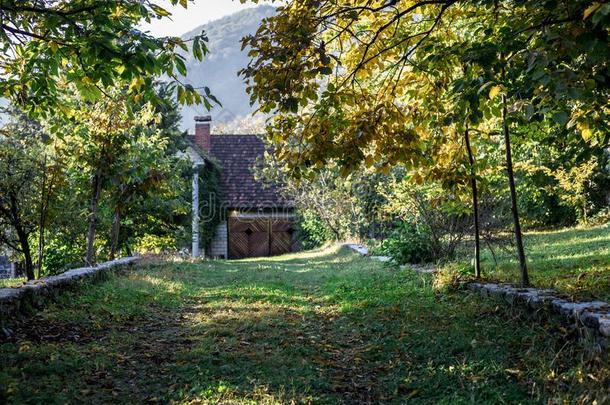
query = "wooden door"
{"x": 281, "y": 237}
{"x": 248, "y": 237}
{"x": 255, "y": 237}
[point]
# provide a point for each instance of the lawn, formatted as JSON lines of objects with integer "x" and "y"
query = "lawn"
{"x": 574, "y": 261}
{"x": 323, "y": 327}
{"x": 12, "y": 282}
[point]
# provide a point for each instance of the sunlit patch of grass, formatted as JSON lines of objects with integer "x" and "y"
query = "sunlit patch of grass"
{"x": 322, "y": 252}
{"x": 12, "y": 282}
{"x": 575, "y": 261}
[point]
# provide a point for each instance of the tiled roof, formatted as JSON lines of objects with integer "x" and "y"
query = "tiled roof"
{"x": 238, "y": 155}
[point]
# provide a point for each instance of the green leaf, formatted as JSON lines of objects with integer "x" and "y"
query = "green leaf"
{"x": 180, "y": 65}
{"x": 561, "y": 118}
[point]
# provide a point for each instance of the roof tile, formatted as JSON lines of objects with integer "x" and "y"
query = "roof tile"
{"x": 238, "y": 155}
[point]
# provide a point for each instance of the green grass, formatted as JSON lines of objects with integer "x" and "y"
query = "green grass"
{"x": 574, "y": 261}
{"x": 322, "y": 327}
{"x": 12, "y": 282}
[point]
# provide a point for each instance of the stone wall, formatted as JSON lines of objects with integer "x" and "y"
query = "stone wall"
{"x": 6, "y": 272}
{"x": 33, "y": 294}
{"x": 590, "y": 318}
{"x": 6, "y": 269}
{"x": 219, "y": 246}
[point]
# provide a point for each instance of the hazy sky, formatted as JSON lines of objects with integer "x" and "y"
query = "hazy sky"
{"x": 198, "y": 12}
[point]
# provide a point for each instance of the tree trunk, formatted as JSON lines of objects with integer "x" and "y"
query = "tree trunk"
{"x": 22, "y": 236}
{"x": 116, "y": 228}
{"x": 475, "y": 208}
{"x": 40, "y": 252}
{"x": 513, "y": 196}
{"x": 42, "y": 217}
{"x": 27, "y": 253}
{"x": 96, "y": 187}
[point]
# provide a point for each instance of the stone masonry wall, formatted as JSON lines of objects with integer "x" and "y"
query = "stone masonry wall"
{"x": 590, "y": 318}
{"x": 6, "y": 270}
{"x": 219, "y": 245}
{"x": 33, "y": 294}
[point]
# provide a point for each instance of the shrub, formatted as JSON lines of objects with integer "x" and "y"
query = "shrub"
{"x": 311, "y": 231}
{"x": 451, "y": 277}
{"x": 409, "y": 243}
{"x": 61, "y": 255}
{"x": 602, "y": 217}
{"x": 155, "y": 244}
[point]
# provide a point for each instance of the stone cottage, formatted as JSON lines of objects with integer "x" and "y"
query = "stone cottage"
{"x": 255, "y": 219}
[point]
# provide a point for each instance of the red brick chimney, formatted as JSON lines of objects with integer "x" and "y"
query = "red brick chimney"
{"x": 202, "y": 132}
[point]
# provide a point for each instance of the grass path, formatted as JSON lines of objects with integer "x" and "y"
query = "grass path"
{"x": 318, "y": 327}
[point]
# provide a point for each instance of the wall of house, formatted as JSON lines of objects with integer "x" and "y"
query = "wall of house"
{"x": 220, "y": 243}
{"x": 6, "y": 268}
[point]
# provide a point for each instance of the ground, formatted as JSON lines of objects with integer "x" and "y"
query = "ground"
{"x": 574, "y": 261}
{"x": 324, "y": 327}
{"x": 12, "y": 282}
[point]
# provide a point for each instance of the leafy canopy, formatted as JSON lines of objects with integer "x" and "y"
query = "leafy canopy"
{"x": 90, "y": 44}
{"x": 375, "y": 81}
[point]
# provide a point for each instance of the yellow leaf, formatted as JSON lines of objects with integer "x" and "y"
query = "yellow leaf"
{"x": 512, "y": 371}
{"x": 494, "y": 91}
{"x": 591, "y": 9}
{"x": 585, "y": 131}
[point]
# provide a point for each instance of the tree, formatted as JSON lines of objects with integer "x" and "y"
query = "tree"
{"x": 22, "y": 197}
{"x": 91, "y": 44}
{"x": 96, "y": 136}
{"x": 346, "y": 81}
{"x": 475, "y": 205}
{"x": 148, "y": 187}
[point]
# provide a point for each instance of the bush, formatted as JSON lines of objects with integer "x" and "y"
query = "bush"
{"x": 409, "y": 243}
{"x": 602, "y": 217}
{"x": 311, "y": 231}
{"x": 451, "y": 277}
{"x": 62, "y": 255}
{"x": 155, "y": 244}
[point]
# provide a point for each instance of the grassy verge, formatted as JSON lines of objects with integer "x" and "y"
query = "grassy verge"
{"x": 318, "y": 327}
{"x": 574, "y": 261}
{"x": 12, "y": 282}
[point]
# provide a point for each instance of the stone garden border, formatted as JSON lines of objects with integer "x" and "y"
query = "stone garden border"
{"x": 33, "y": 294}
{"x": 590, "y": 318}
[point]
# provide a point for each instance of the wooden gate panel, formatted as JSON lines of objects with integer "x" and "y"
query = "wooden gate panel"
{"x": 248, "y": 237}
{"x": 252, "y": 237}
{"x": 281, "y": 242}
{"x": 281, "y": 225}
{"x": 281, "y": 237}
{"x": 258, "y": 244}
{"x": 238, "y": 245}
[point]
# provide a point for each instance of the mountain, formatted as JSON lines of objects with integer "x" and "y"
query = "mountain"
{"x": 219, "y": 68}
